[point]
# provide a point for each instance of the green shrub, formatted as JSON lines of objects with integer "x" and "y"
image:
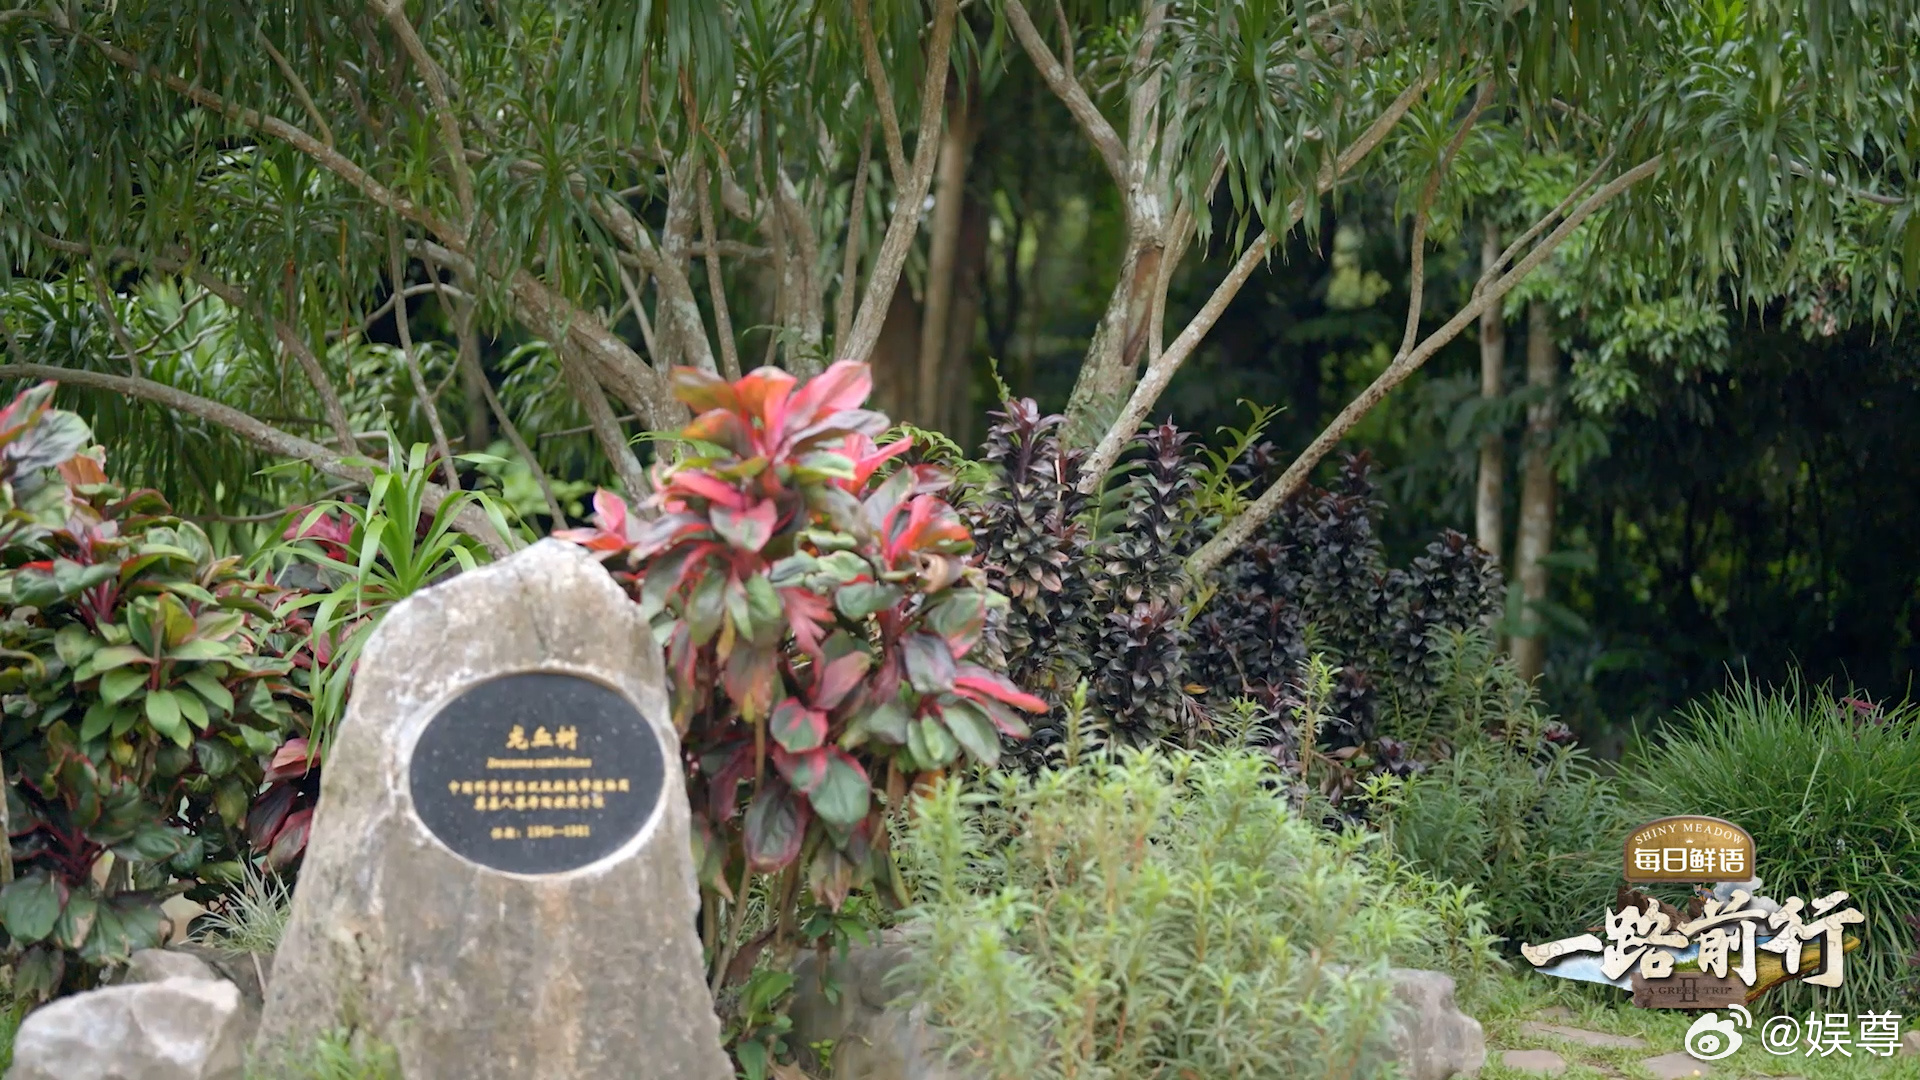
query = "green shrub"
{"x": 145, "y": 681}
{"x": 1830, "y": 791}
{"x": 1164, "y": 914}
{"x": 1511, "y": 808}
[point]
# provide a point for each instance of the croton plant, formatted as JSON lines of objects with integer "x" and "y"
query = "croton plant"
{"x": 817, "y": 613}
{"x": 146, "y": 688}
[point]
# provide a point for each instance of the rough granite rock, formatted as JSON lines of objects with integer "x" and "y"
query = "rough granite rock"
{"x": 469, "y": 972}
{"x": 159, "y": 965}
{"x": 1432, "y": 1038}
{"x": 175, "y": 1029}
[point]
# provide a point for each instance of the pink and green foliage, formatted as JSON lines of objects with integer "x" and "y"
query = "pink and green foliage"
{"x": 145, "y": 685}
{"x": 818, "y": 613}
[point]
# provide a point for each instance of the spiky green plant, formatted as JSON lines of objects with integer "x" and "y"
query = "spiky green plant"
{"x": 1137, "y": 660}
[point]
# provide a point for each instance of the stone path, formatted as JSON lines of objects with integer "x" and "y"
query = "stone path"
{"x": 1552, "y": 1025}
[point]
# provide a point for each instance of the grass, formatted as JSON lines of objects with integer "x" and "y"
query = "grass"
{"x": 336, "y": 1056}
{"x": 1831, "y": 794}
{"x": 1505, "y": 1002}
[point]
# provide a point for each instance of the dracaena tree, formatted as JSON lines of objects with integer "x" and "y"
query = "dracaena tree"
{"x": 619, "y": 179}
{"x": 1728, "y": 141}
{"x": 569, "y": 173}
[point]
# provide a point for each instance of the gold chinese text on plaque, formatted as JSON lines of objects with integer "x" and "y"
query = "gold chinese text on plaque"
{"x": 1689, "y": 848}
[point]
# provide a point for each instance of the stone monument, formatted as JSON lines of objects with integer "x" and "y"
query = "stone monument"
{"x": 498, "y": 882}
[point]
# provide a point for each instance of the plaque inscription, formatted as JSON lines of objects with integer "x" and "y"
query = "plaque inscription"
{"x": 536, "y": 772}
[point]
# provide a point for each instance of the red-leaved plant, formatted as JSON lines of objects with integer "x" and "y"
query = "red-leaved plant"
{"x": 817, "y": 620}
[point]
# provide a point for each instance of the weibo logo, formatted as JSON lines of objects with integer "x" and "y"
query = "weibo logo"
{"x": 1712, "y": 1038}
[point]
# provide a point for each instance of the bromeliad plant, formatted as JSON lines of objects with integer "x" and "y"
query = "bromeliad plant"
{"x": 144, "y": 682}
{"x": 819, "y": 620}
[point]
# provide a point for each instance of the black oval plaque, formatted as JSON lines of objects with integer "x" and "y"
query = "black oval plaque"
{"x": 536, "y": 773}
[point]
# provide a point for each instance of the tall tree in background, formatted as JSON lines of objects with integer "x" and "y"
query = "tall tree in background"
{"x": 615, "y": 179}
{"x": 1538, "y": 487}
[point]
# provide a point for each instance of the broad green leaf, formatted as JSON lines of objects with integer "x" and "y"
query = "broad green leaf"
{"x": 114, "y": 656}
{"x": 76, "y": 920}
{"x": 886, "y": 722}
{"x": 774, "y": 827}
{"x": 125, "y": 924}
{"x": 210, "y": 688}
{"x": 202, "y": 649}
{"x": 972, "y": 730}
{"x": 163, "y": 712}
{"x": 932, "y": 745}
{"x": 844, "y": 796}
{"x": 116, "y": 685}
{"x": 30, "y": 905}
{"x": 863, "y": 598}
{"x": 191, "y": 707}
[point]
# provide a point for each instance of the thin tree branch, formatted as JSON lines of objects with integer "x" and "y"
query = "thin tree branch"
{"x": 1161, "y": 369}
{"x": 105, "y": 299}
{"x": 1492, "y": 269}
{"x": 395, "y": 13}
{"x": 271, "y": 439}
{"x": 882, "y": 94}
{"x": 235, "y": 298}
{"x": 717, "y": 292}
{"x": 394, "y": 297}
{"x": 397, "y": 271}
{"x": 1418, "y": 270}
{"x": 295, "y": 345}
{"x": 299, "y": 88}
{"x": 328, "y": 158}
{"x": 606, "y": 428}
{"x": 632, "y": 289}
{"x": 460, "y": 313}
{"x": 808, "y": 307}
{"x": 1106, "y": 141}
{"x": 583, "y": 430}
{"x": 850, "y": 253}
{"x": 179, "y": 321}
{"x": 1237, "y": 531}
{"x": 905, "y": 225}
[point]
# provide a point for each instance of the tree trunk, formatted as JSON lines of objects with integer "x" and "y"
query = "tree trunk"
{"x": 963, "y": 321}
{"x": 1537, "y": 489}
{"x": 1112, "y": 365}
{"x": 895, "y": 355}
{"x": 1490, "y": 494}
{"x": 479, "y": 430}
{"x": 949, "y": 202}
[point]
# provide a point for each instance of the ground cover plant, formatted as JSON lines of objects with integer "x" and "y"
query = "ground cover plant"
{"x": 1829, "y": 786}
{"x": 1146, "y": 912}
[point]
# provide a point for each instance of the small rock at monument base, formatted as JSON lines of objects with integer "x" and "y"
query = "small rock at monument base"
{"x": 175, "y": 1029}
{"x": 159, "y": 965}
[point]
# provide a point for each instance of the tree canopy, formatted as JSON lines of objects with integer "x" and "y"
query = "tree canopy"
{"x": 627, "y": 187}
